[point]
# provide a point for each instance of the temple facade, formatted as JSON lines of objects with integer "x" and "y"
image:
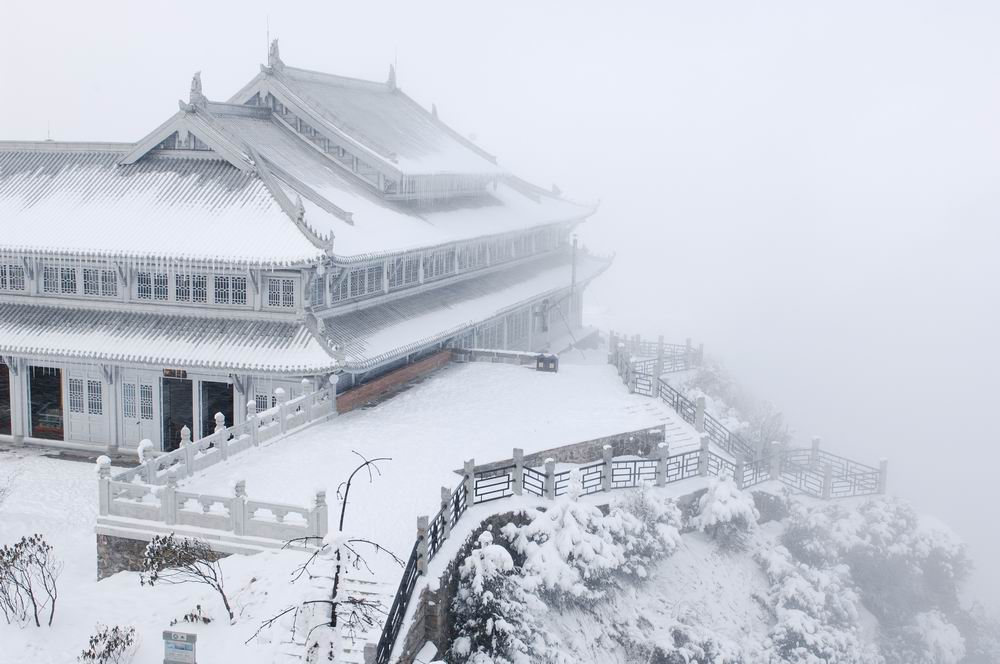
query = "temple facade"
{"x": 311, "y": 226}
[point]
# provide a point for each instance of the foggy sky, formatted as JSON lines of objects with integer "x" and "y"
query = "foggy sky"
{"x": 810, "y": 189}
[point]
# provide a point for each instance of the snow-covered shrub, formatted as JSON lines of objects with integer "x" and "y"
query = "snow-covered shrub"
{"x": 646, "y": 527}
{"x": 171, "y": 560}
{"x": 930, "y": 639}
{"x": 817, "y": 537}
{"x": 28, "y": 574}
{"x": 726, "y": 512}
{"x": 495, "y": 618}
{"x": 690, "y": 644}
{"x": 572, "y": 550}
{"x": 816, "y": 615}
{"x": 981, "y": 630}
{"x": 110, "y": 645}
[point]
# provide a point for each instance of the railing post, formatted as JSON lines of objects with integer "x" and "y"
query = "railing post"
{"x": 814, "y": 452}
{"x": 103, "y": 485}
{"x": 333, "y": 380}
{"x": 168, "y": 501}
{"x": 550, "y": 478}
{"x": 688, "y": 356}
{"x": 470, "y": 482}
{"x": 320, "y": 514}
{"x": 827, "y": 481}
{"x": 149, "y": 469}
{"x": 307, "y": 402}
{"x": 662, "y": 459}
{"x": 612, "y": 347}
{"x": 608, "y": 456}
{"x": 700, "y": 359}
{"x": 282, "y": 398}
{"x": 422, "y": 526}
{"x": 703, "y": 453}
{"x": 776, "y": 458}
{"x": 188, "y": 449}
{"x": 371, "y": 652}
{"x": 253, "y": 422}
{"x": 883, "y": 475}
{"x": 517, "y": 485}
{"x": 699, "y": 414}
{"x": 222, "y": 442}
{"x": 739, "y": 469}
{"x": 445, "y": 512}
{"x": 659, "y": 357}
{"x": 238, "y": 511}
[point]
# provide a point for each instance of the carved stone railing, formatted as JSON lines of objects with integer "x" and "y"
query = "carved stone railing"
{"x": 286, "y": 416}
{"x": 166, "y": 506}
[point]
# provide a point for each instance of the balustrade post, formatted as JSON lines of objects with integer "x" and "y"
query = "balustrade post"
{"x": 238, "y": 508}
{"x": 814, "y": 452}
{"x": 422, "y": 532}
{"x": 688, "y": 356}
{"x": 550, "y": 478}
{"x": 607, "y": 454}
{"x": 282, "y": 398}
{"x": 883, "y": 475}
{"x": 168, "y": 501}
{"x": 222, "y": 442}
{"x": 662, "y": 459}
{"x": 188, "y": 450}
{"x": 469, "y": 477}
{"x": 703, "y": 454}
{"x": 776, "y": 459}
{"x": 321, "y": 517}
{"x": 333, "y": 380}
{"x": 517, "y": 486}
{"x": 103, "y": 485}
{"x": 699, "y": 414}
{"x": 253, "y": 422}
{"x": 149, "y": 470}
{"x": 739, "y": 470}
{"x": 371, "y": 653}
{"x": 612, "y": 347}
{"x": 827, "y": 481}
{"x": 306, "y": 401}
{"x": 445, "y": 512}
{"x": 700, "y": 359}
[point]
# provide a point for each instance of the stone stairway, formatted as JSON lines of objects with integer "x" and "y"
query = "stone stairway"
{"x": 353, "y": 651}
{"x": 681, "y": 436}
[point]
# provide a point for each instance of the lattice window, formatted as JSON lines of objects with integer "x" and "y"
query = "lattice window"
{"x": 439, "y": 263}
{"x": 199, "y": 288}
{"x": 404, "y": 272}
{"x": 91, "y": 282}
{"x": 109, "y": 283}
{"x": 11, "y": 278}
{"x": 75, "y": 395}
{"x": 472, "y": 256}
{"x": 316, "y": 291}
{"x": 340, "y": 290}
{"x": 281, "y": 293}
{"x": 151, "y": 286}
{"x": 182, "y": 287}
{"x": 223, "y": 290}
{"x": 128, "y": 401}
{"x": 67, "y": 279}
{"x": 95, "y": 397}
{"x": 146, "y": 402}
{"x": 50, "y": 280}
{"x": 261, "y": 402}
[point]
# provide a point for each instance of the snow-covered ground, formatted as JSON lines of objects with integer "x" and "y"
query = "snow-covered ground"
{"x": 464, "y": 411}
{"x": 57, "y": 498}
{"x": 475, "y": 410}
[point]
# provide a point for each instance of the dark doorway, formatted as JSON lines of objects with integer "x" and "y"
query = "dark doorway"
{"x": 4, "y": 400}
{"x": 177, "y": 410}
{"x": 215, "y": 398}
{"x": 46, "y": 395}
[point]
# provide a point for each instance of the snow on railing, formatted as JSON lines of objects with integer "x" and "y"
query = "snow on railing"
{"x": 286, "y": 416}
{"x": 168, "y": 507}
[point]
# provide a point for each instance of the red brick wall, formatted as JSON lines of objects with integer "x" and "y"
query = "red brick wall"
{"x": 383, "y": 385}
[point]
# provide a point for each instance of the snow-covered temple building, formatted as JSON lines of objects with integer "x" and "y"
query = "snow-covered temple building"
{"x": 310, "y": 225}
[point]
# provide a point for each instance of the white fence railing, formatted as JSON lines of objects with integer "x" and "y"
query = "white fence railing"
{"x": 286, "y": 416}
{"x": 167, "y": 506}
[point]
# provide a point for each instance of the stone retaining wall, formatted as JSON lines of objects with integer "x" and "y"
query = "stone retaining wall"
{"x": 121, "y": 554}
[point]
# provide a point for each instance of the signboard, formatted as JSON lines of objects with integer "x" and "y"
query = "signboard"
{"x": 175, "y": 373}
{"x": 178, "y": 648}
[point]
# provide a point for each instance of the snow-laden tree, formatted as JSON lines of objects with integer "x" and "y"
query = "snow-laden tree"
{"x": 930, "y": 639}
{"x": 496, "y": 619}
{"x": 646, "y": 526}
{"x": 816, "y": 615}
{"x": 725, "y": 512}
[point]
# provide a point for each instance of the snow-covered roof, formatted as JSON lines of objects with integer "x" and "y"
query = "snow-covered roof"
{"x": 378, "y": 226}
{"x": 385, "y": 119}
{"x": 56, "y": 199}
{"x": 178, "y": 341}
{"x": 380, "y": 334}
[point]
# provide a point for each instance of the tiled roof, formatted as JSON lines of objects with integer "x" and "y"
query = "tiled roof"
{"x": 392, "y": 123}
{"x": 380, "y": 334}
{"x": 174, "y": 341}
{"x": 68, "y": 201}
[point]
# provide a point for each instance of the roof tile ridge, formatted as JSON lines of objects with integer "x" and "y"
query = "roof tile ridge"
{"x": 338, "y": 78}
{"x": 454, "y": 133}
{"x": 65, "y": 146}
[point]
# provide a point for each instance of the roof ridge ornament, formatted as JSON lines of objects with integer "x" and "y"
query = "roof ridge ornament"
{"x": 392, "y": 78}
{"x": 196, "y": 98}
{"x": 274, "y": 57}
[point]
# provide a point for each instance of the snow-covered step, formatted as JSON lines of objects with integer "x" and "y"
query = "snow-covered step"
{"x": 353, "y": 651}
